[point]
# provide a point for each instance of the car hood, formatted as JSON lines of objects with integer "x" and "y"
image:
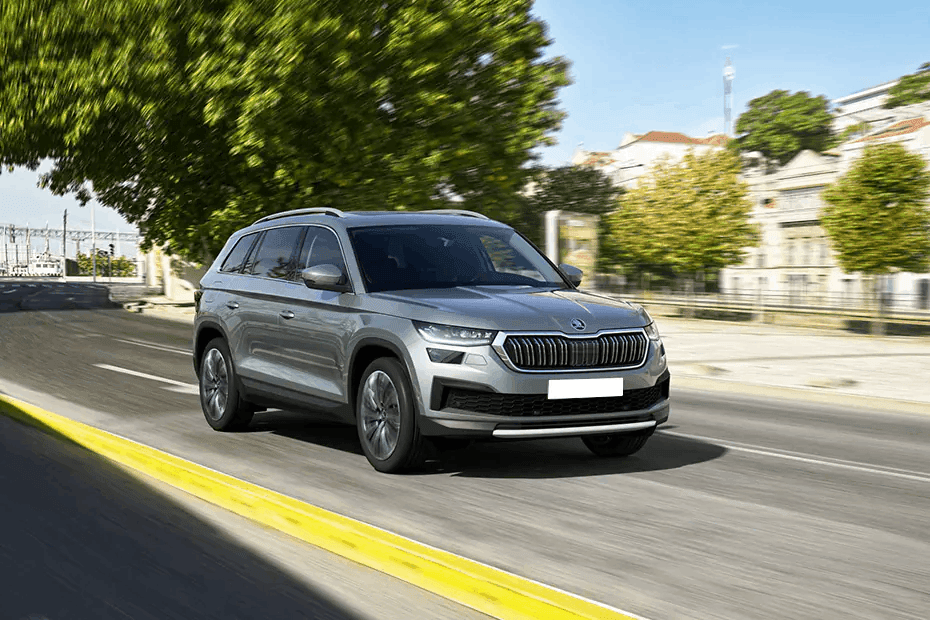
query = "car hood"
{"x": 512, "y": 308}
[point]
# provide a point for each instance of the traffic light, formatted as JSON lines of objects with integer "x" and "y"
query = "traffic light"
{"x": 12, "y": 234}
{"x": 111, "y": 249}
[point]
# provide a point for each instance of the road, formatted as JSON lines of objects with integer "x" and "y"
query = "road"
{"x": 742, "y": 508}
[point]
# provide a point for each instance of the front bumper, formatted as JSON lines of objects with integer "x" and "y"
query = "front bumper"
{"x": 481, "y": 397}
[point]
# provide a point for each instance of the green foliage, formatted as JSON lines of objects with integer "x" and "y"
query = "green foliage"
{"x": 877, "y": 215}
{"x": 852, "y": 131}
{"x": 193, "y": 119}
{"x": 579, "y": 189}
{"x": 121, "y": 266}
{"x": 912, "y": 88}
{"x": 688, "y": 218}
{"x": 781, "y": 124}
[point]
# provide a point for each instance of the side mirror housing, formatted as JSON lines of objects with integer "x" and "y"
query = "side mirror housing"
{"x": 572, "y": 273}
{"x": 327, "y": 277}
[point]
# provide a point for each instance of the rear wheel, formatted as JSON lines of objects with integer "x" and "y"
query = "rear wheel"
{"x": 619, "y": 444}
{"x": 386, "y": 418}
{"x": 223, "y": 407}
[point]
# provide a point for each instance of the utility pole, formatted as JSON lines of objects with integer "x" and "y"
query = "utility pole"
{"x": 93, "y": 241}
{"x": 727, "y": 98}
{"x": 64, "y": 246}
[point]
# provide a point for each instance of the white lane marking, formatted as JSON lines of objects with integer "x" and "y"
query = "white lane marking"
{"x": 796, "y": 456}
{"x": 177, "y": 385}
{"x": 159, "y": 347}
{"x": 184, "y": 389}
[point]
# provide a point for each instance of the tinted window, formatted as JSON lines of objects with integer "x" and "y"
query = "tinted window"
{"x": 321, "y": 247}
{"x": 416, "y": 257}
{"x": 237, "y": 256}
{"x": 274, "y": 257}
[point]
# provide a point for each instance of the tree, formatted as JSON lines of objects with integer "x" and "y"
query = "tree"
{"x": 195, "y": 118}
{"x": 691, "y": 217}
{"x": 877, "y": 216}
{"x": 781, "y": 124}
{"x": 579, "y": 189}
{"x": 912, "y": 88}
{"x": 122, "y": 266}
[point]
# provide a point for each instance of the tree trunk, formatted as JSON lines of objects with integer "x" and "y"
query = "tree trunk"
{"x": 689, "y": 287}
{"x": 878, "y": 322}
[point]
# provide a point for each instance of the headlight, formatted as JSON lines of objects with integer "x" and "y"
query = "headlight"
{"x": 448, "y": 334}
{"x": 652, "y": 332}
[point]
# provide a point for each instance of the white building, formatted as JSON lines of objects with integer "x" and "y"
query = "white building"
{"x": 794, "y": 262}
{"x": 862, "y": 106}
{"x": 638, "y": 153}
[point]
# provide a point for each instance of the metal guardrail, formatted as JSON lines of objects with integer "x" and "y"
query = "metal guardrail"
{"x": 780, "y": 305}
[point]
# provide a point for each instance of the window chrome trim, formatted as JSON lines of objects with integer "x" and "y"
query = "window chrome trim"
{"x": 498, "y": 345}
{"x": 352, "y": 288}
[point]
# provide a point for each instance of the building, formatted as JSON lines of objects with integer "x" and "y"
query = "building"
{"x": 794, "y": 263}
{"x": 638, "y": 153}
{"x": 862, "y": 106}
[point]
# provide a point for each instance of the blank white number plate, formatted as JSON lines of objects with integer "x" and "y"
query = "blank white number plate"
{"x": 585, "y": 388}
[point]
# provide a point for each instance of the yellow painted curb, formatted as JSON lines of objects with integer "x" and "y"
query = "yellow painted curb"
{"x": 483, "y": 588}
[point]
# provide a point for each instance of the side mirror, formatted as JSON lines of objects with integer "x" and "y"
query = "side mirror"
{"x": 327, "y": 277}
{"x": 572, "y": 273}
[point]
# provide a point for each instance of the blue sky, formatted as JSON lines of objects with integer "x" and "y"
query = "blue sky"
{"x": 641, "y": 66}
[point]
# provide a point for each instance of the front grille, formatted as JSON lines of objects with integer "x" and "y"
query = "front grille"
{"x": 492, "y": 403}
{"x": 562, "y": 353}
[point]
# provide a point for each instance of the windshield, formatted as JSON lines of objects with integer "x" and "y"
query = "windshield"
{"x": 416, "y": 257}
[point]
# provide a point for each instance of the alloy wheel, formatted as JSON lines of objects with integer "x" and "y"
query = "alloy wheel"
{"x": 214, "y": 384}
{"x": 380, "y": 415}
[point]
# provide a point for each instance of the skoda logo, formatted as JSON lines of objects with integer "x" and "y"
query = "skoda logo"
{"x": 578, "y": 324}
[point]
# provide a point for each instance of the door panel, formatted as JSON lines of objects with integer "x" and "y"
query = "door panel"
{"x": 261, "y": 296}
{"x": 315, "y": 339}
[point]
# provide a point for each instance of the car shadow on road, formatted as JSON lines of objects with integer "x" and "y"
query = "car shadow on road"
{"x": 569, "y": 458}
{"x": 546, "y": 458}
{"x": 308, "y": 428}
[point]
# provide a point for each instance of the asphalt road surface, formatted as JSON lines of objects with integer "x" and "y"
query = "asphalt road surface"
{"x": 742, "y": 508}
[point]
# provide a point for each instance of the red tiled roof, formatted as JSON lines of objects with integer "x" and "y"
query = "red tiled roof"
{"x": 898, "y": 129}
{"x": 680, "y": 138}
{"x": 596, "y": 158}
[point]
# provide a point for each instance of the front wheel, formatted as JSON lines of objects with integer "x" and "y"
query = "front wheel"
{"x": 222, "y": 405}
{"x": 386, "y": 418}
{"x": 618, "y": 444}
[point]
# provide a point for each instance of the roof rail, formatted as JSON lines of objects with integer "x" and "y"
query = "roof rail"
{"x": 455, "y": 212}
{"x": 309, "y": 211}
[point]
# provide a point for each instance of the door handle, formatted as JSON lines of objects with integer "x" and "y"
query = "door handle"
{"x": 287, "y": 314}
{"x": 232, "y": 305}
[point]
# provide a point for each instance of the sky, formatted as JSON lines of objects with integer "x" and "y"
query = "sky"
{"x": 641, "y": 66}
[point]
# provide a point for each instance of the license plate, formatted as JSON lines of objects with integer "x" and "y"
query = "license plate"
{"x": 585, "y": 388}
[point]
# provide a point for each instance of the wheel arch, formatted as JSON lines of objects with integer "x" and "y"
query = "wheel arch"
{"x": 206, "y": 331}
{"x": 365, "y": 352}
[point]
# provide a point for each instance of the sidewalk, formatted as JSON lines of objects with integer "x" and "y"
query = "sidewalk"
{"x": 816, "y": 361}
{"x": 810, "y": 359}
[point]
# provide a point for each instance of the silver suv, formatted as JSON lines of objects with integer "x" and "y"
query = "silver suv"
{"x": 419, "y": 328}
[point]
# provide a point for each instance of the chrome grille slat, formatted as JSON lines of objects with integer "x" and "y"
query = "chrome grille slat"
{"x": 559, "y": 352}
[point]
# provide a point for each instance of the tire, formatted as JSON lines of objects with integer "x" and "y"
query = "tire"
{"x": 386, "y": 418}
{"x": 220, "y": 398}
{"x": 618, "y": 444}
